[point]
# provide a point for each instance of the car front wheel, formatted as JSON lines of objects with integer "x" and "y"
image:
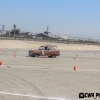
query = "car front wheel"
{"x": 36, "y": 55}
{"x": 53, "y": 56}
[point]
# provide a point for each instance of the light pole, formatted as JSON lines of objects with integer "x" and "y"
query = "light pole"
{"x": 3, "y": 26}
{"x": 14, "y": 29}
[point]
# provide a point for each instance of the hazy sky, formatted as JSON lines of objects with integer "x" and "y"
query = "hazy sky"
{"x": 79, "y": 18}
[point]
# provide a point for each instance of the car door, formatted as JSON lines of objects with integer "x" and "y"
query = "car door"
{"x": 47, "y": 51}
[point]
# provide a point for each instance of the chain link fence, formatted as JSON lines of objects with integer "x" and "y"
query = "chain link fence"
{"x": 73, "y": 40}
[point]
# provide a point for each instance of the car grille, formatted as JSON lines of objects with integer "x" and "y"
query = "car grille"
{"x": 30, "y": 53}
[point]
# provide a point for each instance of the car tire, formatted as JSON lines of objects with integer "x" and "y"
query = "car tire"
{"x": 32, "y": 55}
{"x": 50, "y": 56}
{"x": 36, "y": 55}
{"x": 53, "y": 56}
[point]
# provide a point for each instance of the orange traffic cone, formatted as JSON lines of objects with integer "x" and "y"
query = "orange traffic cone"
{"x": 74, "y": 58}
{"x": 14, "y": 55}
{"x": 0, "y": 62}
{"x": 74, "y": 68}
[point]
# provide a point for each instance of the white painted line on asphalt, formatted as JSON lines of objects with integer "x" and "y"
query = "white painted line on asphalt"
{"x": 32, "y": 96}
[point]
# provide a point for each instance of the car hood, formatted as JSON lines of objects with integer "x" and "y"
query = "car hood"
{"x": 34, "y": 50}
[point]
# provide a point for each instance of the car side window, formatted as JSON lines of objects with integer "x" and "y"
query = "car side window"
{"x": 45, "y": 48}
{"x": 41, "y": 48}
{"x": 48, "y": 48}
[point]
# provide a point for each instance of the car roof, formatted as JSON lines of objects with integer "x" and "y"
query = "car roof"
{"x": 48, "y": 45}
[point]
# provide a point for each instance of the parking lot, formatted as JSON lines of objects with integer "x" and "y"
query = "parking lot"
{"x": 28, "y": 78}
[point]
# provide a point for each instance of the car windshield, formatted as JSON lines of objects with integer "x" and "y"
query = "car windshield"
{"x": 41, "y": 48}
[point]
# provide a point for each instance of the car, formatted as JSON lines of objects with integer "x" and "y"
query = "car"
{"x": 46, "y": 50}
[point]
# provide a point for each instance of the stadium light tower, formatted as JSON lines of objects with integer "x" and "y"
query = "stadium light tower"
{"x": 14, "y": 28}
{"x": 46, "y": 32}
{"x": 47, "y": 28}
